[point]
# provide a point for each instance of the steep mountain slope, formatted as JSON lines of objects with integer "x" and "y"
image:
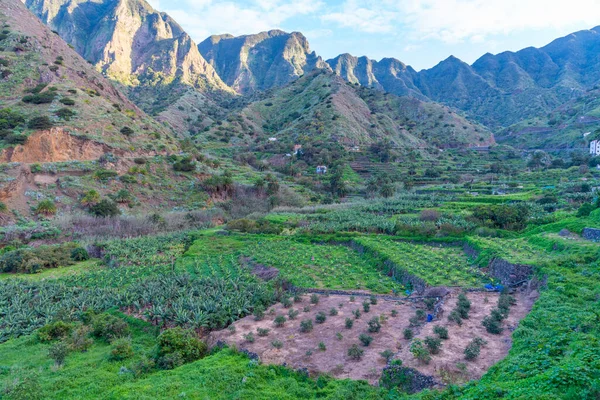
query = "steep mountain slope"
{"x": 497, "y": 90}
{"x": 262, "y": 61}
{"x": 144, "y": 50}
{"x": 322, "y": 107}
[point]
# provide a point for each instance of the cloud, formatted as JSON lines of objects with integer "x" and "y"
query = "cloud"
{"x": 202, "y": 18}
{"x": 454, "y": 21}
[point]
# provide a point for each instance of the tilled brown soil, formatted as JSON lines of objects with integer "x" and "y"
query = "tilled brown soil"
{"x": 301, "y": 350}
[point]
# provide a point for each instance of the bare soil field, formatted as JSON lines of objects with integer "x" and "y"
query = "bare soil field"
{"x": 302, "y": 350}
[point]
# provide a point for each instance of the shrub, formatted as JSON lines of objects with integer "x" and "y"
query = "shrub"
{"x": 322, "y": 346}
{"x": 121, "y": 350}
{"x": 463, "y": 306}
{"x": 286, "y": 302}
{"x": 394, "y": 313}
{"x": 349, "y": 323}
{"x": 365, "y": 339}
{"x": 105, "y": 209}
{"x": 320, "y": 318}
{"x": 366, "y": 306}
{"x": 186, "y": 164}
{"x": 127, "y": 131}
{"x": 58, "y": 352}
{"x": 408, "y": 334}
{"x": 293, "y": 314}
{"x": 297, "y": 298}
{"x": 355, "y": 352}
{"x": 454, "y": 316}
{"x": 373, "y": 300}
{"x": 53, "y": 331}
{"x": 433, "y": 344}
{"x": 80, "y": 340}
{"x": 473, "y": 349}
{"x": 67, "y": 101}
{"x": 10, "y": 119}
{"x": 356, "y": 313}
{"x": 109, "y": 327}
{"x": 65, "y": 113}
{"x": 122, "y": 196}
{"x": 262, "y": 332}
{"x": 259, "y": 314}
{"x": 306, "y": 326}
{"x": 40, "y": 98}
{"x": 278, "y": 344}
{"x": 90, "y": 198}
{"x": 441, "y": 332}
{"x": 339, "y": 336}
{"x": 279, "y": 321}
{"x": 80, "y": 254}
{"x": 374, "y": 325}
{"x": 314, "y": 299}
{"x": 105, "y": 175}
{"x": 45, "y": 207}
{"x": 420, "y": 352}
{"x": 333, "y": 312}
{"x": 387, "y": 355}
{"x": 40, "y": 123}
{"x": 249, "y": 337}
{"x": 182, "y": 343}
{"x": 492, "y": 325}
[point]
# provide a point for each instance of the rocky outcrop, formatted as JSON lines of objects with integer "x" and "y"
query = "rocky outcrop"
{"x": 262, "y": 61}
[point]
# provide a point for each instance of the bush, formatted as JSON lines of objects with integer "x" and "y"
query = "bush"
{"x": 259, "y": 314}
{"x": 365, "y": 339}
{"x": 121, "y": 350}
{"x": 109, "y": 327}
{"x": 53, "y": 331}
{"x": 387, "y": 355}
{"x": 463, "y": 306}
{"x": 40, "y": 123}
{"x": 314, "y": 299}
{"x": 420, "y": 352}
{"x": 127, "y": 131}
{"x": 306, "y": 326}
{"x": 104, "y": 175}
{"x": 80, "y": 340}
{"x": 279, "y": 321}
{"x": 373, "y": 300}
{"x": 67, "y": 101}
{"x": 322, "y": 346}
{"x": 356, "y": 313}
{"x": 40, "y": 98}
{"x": 366, "y": 306}
{"x": 181, "y": 344}
{"x": 441, "y": 332}
{"x": 333, "y": 312}
{"x": 15, "y": 139}
{"x": 473, "y": 349}
{"x": 293, "y": 314}
{"x": 455, "y": 317}
{"x": 278, "y": 344}
{"x": 58, "y": 352}
{"x": 355, "y": 352}
{"x": 249, "y": 337}
{"x": 374, "y": 325}
{"x": 433, "y": 344}
{"x": 186, "y": 164}
{"x": 349, "y": 323}
{"x": 10, "y": 119}
{"x": 262, "y": 332}
{"x": 80, "y": 254}
{"x": 104, "y": 209}
{"x": 45, "y": 207}
{"x": 320, "y": 318}
{"x": 408, "y": 334}
{"x": 492, "y": 325}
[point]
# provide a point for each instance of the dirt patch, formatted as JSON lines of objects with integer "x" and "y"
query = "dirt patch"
{"x": 54, "y": 145}
{"x": 301, "y": 350}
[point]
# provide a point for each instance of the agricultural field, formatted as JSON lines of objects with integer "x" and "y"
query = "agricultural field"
{"x": 436, "y": 264}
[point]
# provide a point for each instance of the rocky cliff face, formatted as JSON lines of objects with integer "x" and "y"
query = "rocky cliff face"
{"x": 259, "y": 62}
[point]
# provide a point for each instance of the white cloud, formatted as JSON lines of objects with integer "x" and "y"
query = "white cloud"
{"x": 202, "y": 18}
{"x": 453, "y": 21}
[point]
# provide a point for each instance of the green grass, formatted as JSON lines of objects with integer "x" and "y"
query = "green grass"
{"x": 436, "y": 265}
{"x": 55, "y": 273}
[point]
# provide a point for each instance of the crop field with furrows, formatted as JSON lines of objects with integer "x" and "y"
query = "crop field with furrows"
{"x": 437, "y": 265}
{"x": 322, "y": 266}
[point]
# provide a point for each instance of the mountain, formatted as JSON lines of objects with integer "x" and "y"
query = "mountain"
{"x": 146, "y": 51}
{"x": 262, "y": 61}
{"x": 497, "y": 90}
{"x": 321, "y": 107}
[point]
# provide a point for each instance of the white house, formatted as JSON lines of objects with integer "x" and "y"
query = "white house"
{"x": 595, "y": 147}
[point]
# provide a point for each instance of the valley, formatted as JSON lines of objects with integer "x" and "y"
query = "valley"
{"x": 241, "y": 218}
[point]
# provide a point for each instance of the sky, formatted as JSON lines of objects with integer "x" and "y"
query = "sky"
{"x": 420, "y": 33}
